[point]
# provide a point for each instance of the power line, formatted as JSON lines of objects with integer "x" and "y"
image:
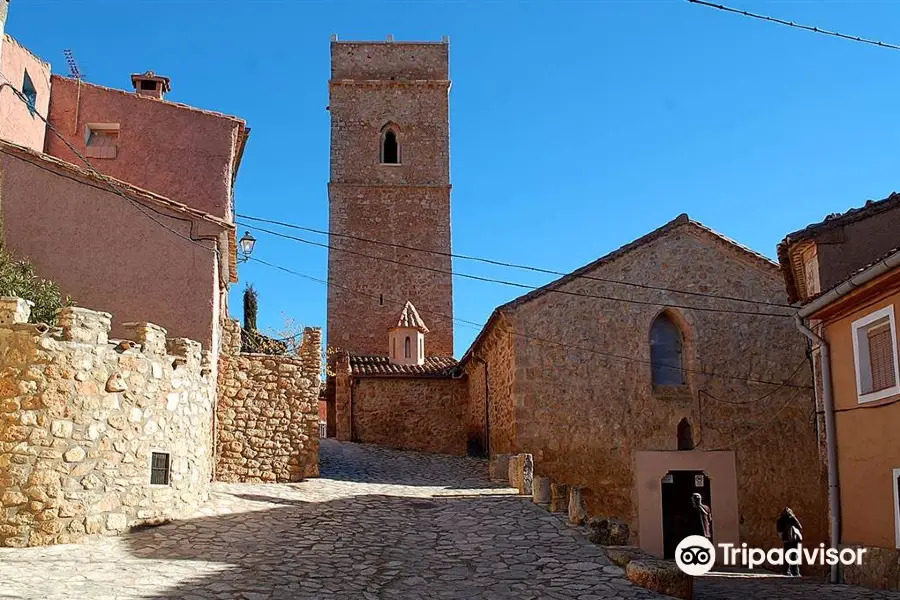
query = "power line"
{"x": 852, "y": 38}
{"x": 761, "y": 427}
{"x": 761, "y": 398}
{"x": 513, "y": 283}
{"x": 480, "y": 326}
{"x": 512, "y": 265}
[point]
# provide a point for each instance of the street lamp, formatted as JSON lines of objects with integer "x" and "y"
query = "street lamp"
{"x": 248, "y": 242}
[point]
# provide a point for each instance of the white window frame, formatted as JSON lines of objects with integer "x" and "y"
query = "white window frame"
{"x": 887, "y": 311}
{"x": 894, "y": 474}
{"x": 90, "y": 127}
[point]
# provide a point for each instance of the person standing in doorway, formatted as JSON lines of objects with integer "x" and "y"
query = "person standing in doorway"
{"x": 702, "y": 519}
{"x": 791, "y": 532}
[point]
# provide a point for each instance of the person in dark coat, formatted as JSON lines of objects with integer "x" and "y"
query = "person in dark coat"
{"x": 702, "y": 519}
{"x": 791, "y": 532}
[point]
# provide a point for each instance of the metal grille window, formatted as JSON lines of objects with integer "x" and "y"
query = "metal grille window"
{"x": 159, "y": 468}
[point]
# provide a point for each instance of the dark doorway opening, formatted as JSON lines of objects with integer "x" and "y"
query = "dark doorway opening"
{"x": 685, "y": 435}
{"x": 679, "y": 515}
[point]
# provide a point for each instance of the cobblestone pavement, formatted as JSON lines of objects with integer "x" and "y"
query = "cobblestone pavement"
{"x": 379, "y": 524}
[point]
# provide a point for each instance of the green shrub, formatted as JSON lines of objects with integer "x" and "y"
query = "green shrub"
{"x": 17, "y": 278}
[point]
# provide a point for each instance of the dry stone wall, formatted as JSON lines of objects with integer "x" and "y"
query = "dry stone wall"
{"x": 493, "y": 359}
{"x": 408, "y": 413}
{"x": 268, "y": 415}
{"x": 81, "y": 415}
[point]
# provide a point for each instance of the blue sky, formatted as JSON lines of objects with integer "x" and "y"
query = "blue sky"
{"x": 575, "y": 126}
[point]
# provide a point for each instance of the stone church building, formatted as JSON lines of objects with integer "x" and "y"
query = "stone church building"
{"x": 688, "y": 378}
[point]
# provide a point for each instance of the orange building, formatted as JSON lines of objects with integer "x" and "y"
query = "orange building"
{"x": 853, "y": 326}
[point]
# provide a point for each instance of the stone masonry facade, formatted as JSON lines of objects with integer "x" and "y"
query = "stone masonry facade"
{"x": 422, "y": 414}
{"x": 401, "y": 87}
{"x": 584, "y": 414}
{"x": 80, "y": 417}
{"x": 490, "y": 419}
{"x": 268, "y": 414}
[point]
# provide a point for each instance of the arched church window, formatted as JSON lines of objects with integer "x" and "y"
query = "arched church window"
{"x": 666, "y": 352}
{"x": 390, "y": 148}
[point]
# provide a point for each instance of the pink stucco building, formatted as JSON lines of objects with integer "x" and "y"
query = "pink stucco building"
{"x": 178, "y": 151}
{"x": 153, "y": 238}
{"x": 26, "y": 72}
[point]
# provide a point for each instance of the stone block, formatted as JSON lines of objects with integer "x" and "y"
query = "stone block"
{"x": 151, "y": 337}
{"x": 661, "y": 576}
{"x": 93, "y": 524}
{"x": 622, "y": 555}
{"x": 513, "y": 470}
{"x": 74, "y": 454}
{"x": 608, "y": 531}
{"x": 185, "y": 348}
{"x": 14, "y": 310}
{"x": 61, "y": 429}
{"x": 541, "y": 494}
{"x": 116, "y": 522}
{"x": 527, "y": 465}
{"x": 84, "y": 326}
{"x": 577, "y": 511}
{"x": 498, "y": 467}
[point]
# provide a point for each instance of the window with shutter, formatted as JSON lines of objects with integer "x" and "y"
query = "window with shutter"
{"x": 881, "y": 357}
{"x": 875, "y": 355}
{"x": 102, "y": 140}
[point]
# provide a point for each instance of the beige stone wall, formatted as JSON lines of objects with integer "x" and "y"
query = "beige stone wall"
{"x": 493, "y": 354}
{"x": 268, "y": 414}
{"x": 584, "y": 415}
{"x": 79, "y": 418}
{"x": 423, "y": 414}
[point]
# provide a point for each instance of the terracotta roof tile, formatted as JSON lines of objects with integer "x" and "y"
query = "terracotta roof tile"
{"x": 367, "y": 365}
{"x": 409, "y": 318}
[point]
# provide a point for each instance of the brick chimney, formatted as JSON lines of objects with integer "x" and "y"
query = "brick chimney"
{"x": 150, "y": 84}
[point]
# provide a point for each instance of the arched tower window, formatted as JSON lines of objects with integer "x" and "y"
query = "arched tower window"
{"x": 666, "y": 356}
{"x": 406, "y": 348}
{"x": 390, "y": 147}
{"x": 685, "y": 435}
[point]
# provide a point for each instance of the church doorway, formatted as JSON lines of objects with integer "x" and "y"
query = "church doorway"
{"x": 679, "y": 514}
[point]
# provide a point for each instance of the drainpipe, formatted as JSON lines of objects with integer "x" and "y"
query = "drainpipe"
{"x": 834, "y": 491}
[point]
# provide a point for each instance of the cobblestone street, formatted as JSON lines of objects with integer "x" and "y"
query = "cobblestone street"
{"x": 378, "y": 524}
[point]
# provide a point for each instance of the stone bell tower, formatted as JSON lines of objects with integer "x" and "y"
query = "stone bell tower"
{"x": 390, "y": 182}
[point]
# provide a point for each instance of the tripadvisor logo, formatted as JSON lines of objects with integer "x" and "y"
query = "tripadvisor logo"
{"x": 696, "y": 555}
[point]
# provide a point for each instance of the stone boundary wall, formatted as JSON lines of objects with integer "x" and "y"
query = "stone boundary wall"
{"x": 80, "y": 416}
{"x": 268, "y": 413}
{"x": 425, "y": 414}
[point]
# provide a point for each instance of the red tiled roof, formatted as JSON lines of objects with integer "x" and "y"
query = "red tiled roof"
{"x": 410, "y": 319}
{"x": 367, "y": 365}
